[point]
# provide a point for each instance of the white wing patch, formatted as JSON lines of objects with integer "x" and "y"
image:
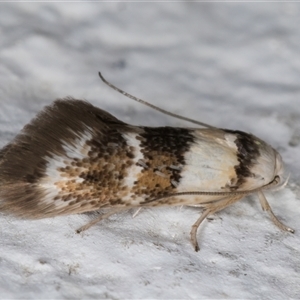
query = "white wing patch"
{"x": 209, "y": 165}
{"x": 78, "y": 149}
{"x": 135, "y": 169}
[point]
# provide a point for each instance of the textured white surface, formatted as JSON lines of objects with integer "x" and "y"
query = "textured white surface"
{"x": 233, "y": 65}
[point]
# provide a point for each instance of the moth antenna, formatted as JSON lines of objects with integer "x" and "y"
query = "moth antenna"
{"x": 153, "y": 106}
{"x": 199, "y": 193}
{"x": 271, "y": 184}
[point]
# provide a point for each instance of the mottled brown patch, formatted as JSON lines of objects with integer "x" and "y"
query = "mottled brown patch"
{"x": 101, "y": 172}
{"x": 163, "y": 148}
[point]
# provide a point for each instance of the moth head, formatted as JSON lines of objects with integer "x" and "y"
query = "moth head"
{"x": 272, "y": 168}
{"x": 261, "y": 165}
{"x": 279, "y": 171}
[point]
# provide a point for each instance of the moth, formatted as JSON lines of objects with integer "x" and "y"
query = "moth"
{"x": 75, "y": 158}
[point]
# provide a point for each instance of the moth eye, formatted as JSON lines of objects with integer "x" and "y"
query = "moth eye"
{"x": 277, "y": 179}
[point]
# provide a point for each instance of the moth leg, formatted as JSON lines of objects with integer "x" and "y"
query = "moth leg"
{"x": 195, "y": 227}
{"x": 266, "y": 207}
{"x": 136, "y": 212}
{"x": 211, "y": 208}
{"x": 100, "y": 218}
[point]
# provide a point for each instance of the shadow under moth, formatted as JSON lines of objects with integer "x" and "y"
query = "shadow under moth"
{"x": 74, "y": 158}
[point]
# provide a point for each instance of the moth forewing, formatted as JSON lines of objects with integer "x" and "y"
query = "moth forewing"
{"x": 75, "y": 158}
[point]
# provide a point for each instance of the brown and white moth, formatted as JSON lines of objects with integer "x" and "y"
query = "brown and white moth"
{"x": 76, "y": 158}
